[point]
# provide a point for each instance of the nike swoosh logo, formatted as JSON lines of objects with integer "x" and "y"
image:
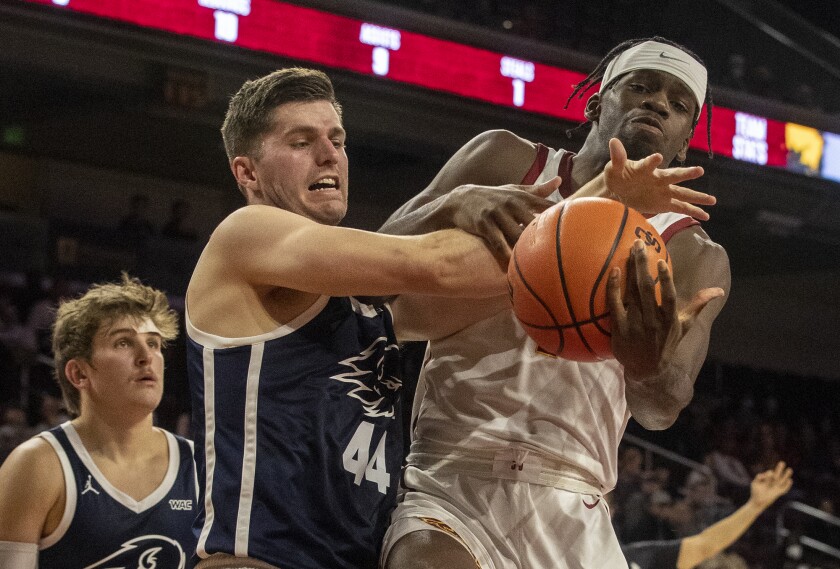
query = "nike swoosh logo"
{"x": 664, "y": 55}
{"x": 590, "y": 506}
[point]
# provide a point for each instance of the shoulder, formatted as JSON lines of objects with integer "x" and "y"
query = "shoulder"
{"x": 501, "y": 144}
{"x": 495, "y": 157}
{"x": 33, "y": 466}
{"x": 252, "y": 219}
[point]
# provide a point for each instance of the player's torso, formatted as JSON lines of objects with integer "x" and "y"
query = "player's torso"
{"x": 487, "y": 388}
{"x": 104, "y": 527}
{"x": 300, "y": 436}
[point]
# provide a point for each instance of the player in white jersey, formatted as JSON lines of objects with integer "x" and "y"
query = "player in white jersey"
{"x": 512, "y": 450}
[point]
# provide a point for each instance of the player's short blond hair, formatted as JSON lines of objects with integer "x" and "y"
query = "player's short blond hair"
{"x": 77, "y": 322}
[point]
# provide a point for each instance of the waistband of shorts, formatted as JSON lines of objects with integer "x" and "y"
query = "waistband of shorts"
{"x": 225, "y": 561}
{"x": 512, "y": 463}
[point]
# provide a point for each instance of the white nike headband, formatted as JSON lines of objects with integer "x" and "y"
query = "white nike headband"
{"x": 660, "y": 57}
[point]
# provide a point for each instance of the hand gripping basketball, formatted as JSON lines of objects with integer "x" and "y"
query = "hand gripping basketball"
{"x": 559, "y": 270}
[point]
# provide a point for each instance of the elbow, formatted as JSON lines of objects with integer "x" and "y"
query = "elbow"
{"x": 659, "y": 412}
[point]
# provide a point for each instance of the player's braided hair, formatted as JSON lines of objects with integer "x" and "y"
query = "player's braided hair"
{"x": 598, "y": 73}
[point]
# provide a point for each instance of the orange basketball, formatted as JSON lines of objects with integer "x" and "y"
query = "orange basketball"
{"x": 559, "y": 268}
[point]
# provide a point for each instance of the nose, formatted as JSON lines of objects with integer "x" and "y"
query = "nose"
{"x": 327, "y": 153}
{"x": 658, "y": 103}
{"x": 144, "y": 353}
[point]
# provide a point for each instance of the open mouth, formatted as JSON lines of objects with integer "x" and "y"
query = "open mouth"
{"x": 326, "y": 183}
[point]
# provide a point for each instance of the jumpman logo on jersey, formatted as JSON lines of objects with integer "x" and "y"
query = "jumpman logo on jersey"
{"x": 89, "y": 487}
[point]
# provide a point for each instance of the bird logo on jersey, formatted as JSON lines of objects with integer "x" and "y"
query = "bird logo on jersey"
{"x": 370, "y": 375}
{"x": 145, "y": 552}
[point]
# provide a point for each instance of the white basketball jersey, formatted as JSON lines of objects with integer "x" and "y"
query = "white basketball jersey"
{"x": 486, "y": 389}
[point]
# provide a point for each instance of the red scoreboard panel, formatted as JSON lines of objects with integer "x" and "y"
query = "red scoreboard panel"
{"x": 336, "y": 41}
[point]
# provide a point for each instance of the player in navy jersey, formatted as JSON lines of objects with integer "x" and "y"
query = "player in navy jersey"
{"x": 512, "y": 451}
{"x": 106, "y": 489}
{"x": 294, "y": 383}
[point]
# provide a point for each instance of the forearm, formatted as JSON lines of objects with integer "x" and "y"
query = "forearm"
{"x": 718, "y": 536}
{"x": 419, "y": 216}
{"x": 461, "y": 266}
{"x": 656, "y": 400}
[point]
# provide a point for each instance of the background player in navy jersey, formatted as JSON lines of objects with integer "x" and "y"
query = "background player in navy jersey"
{"x": 294, "y": 382}
{"x": 512, "y": 450}
{"x": 106, "y": 489}
{"x": 689, "y": 552}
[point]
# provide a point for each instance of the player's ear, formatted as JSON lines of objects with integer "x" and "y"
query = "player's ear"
{"x": 683, "y": 152}
{"x": 76, "y": 372}
{"x": 593, "y": 107}
{"x": 243, "y": 168}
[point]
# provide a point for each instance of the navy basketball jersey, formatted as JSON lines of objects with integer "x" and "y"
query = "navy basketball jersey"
{"x": 298, "y": 437}
{"x": 102, "y": 527}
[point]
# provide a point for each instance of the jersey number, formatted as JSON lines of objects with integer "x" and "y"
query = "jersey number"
{"x": 357, "y": 459}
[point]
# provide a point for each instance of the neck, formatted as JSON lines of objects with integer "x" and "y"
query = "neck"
{"x": 115, "y": 434}
{"x": 590, "y": 161}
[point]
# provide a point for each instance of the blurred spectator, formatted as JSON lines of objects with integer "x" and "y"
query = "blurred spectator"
{"x": 178, "y": 226}
{"x": 630, "y": 466}
{"x": 699, "y": 508}
{"x": 643, "y": 511}
{"x": 732, "y": 476}
{"x": 766, "y": 447}
{"x": 51, "y": 413}
{"x": 136, "y": 222}
{"x": 735, "y": 76}
{"x": 13, "y": 430}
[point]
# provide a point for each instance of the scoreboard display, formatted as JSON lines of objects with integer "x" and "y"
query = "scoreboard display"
{"x": 369, "y": 48}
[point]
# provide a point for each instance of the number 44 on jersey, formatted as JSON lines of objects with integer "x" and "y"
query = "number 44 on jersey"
{"x": 357, "y": 460}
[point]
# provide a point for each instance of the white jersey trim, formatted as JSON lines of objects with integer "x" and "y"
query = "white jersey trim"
{"x": 136, "y": 506}
{"x": 220, "y": 342}
{"x": 209, "y": 450}
{"x": 70, "y": 494}
{"x": 249, "y": 458}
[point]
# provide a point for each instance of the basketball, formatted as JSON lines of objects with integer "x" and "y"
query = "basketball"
{"x": 559, "y": 268}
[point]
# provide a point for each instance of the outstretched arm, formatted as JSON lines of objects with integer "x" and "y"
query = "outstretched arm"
{"x": 766, "y": 488}
{"x": 266, "y": 246}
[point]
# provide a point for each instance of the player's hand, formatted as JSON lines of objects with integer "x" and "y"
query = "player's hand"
{"x": 499, "y": 214}
{"x": 641, "y": 185}
{"x": 646, "y": 333}
{"x": 767, "y": 486}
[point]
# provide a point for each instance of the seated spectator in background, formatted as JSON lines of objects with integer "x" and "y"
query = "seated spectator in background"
{"x": 732, "y": 476}
{"x": 51, "y": 413}
{"x": 766, "y": 447}
{"x": 643, "y": 517}
{"x": 177, "y": 226}
{"x": 699, "y": 508}
{"x": 630, "y": 467}
{"x": 14, "y": 429}
{"x": 136, "y": 222}
{"x": 706, "y": 546}
{"x": 106, "y": 489}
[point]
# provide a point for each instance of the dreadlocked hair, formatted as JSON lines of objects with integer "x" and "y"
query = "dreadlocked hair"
{"x": 598, "y": 73}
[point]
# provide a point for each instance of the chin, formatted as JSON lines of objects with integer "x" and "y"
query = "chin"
{"x": 639, "y": 149}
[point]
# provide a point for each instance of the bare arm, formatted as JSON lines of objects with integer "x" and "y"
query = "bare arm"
{"x": 31, "y": 492}
{"x": 766, "y": 488}
{"x": 267, "y": 246}
{"x": 492, "y": 158}
{"x": 662, "y": 346}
